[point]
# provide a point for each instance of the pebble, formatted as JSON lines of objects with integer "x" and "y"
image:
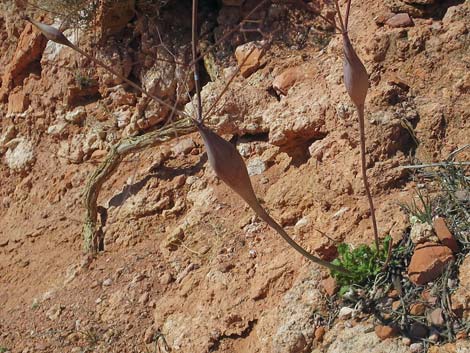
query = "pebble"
{"x": 107, "y": 282}
{"x": 416, "y": 348}
{"x": 345, "y": 313}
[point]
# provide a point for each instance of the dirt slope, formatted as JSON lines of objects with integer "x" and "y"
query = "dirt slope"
{"x": 183, "y": 255}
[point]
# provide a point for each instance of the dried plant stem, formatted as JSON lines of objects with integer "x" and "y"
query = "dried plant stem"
{"x": 129, "y": 82}
{"x": 197, "y": 83}
{"x": 360, "y": 113}
{"x": 109, "y": 166}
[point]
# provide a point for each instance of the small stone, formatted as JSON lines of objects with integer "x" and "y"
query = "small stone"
{"x": 249, "y": 62}
{"x": 330, "y": 286}
{"x": 400, "y": 20}
{"x": 444, "y": 235}
{"x": 436, "y": 317}
{"x": 107, "y": 282}
{"x": 54, "y": 312}
{"x": 8, "y": 135}
{"x": 183, "y": 147}
{"x": 382, "y": 18}
{"x": 301, "y": 223}
{"x": 417, "y": 309}
{"x": 57, "y": 129}
{"x": 434, "y": 337}
{"x": 288, "y": 78}
{"x": 416, "y": 348}
{"x": 421, "y": 233}
{"x": 253, "y": 253}
{"x": 384, "y": 331}
{"x": 173, "y": 241}
{"x": 393, "y": 294}
{"x": 428, "y": 262}
{"x": 20, "y": 154}
{"x": 256, "y": 166}
{"x": 319, "y": 333}
{"x": 406, "y": 341}
{"x": 345, "y": 313}
{"x": 166, "y": 278}
{"x": 396, "y": 305}
{"x": 76, "y": 116}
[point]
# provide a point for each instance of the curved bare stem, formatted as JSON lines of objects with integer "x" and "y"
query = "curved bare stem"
{"x": 109, "y": 166}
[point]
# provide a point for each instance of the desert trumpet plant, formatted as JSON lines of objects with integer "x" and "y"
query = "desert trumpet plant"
{"x": 230, "y": 167}
{"x": 223, "y": 157}
{"x": 356, "y": 81}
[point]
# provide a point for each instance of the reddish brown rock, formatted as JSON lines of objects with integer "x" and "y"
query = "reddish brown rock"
{"x": 288, "y": 78}
{"x": 319, "y": 333}
{"x": 383, "y": 331}
{"x": 444, "y": 234}
{"x": 417, "y": 309}
{"x": 428, "y": 262}
{"x": 400, "y": 20}
{"x": 18, "y": 102}
{"x": 330, "y": 286}
{"x": 29, "y": 50}
{"x": 249, "y": 57}
{"x": 436, "y": 317}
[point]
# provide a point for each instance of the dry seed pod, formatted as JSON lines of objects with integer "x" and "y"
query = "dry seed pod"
{"x": 356, "y": 78}
{"x": 229, "y": 166}
{"x": 50, "y": 32}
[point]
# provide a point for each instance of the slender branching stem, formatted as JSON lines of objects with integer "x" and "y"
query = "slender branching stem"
{"x": 346, "y": 16}
{"x": 129, "y": 82}
{"x": 360, "y": 111}
{"x": 228, "y": 34}
{"x": 197, "y": 82}
{"x": 338, "y": 10}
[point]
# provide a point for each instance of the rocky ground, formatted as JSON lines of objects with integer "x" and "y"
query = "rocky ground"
{"x": 186, "y": 266}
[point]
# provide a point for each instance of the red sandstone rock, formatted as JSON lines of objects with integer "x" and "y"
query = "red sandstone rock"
{"x": 253, "y": 62}
{"x": 18, "y": 102}
{"x": 384, "y": 332}
{"x": 428, "y": 262}
{"x": 444, "y": 235}
{"x": 288, "y": 78}
{"x": 330, "y": 286}
{"x": 400, "y": 20}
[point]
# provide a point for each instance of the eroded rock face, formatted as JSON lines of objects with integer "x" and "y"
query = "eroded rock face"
{"x": 359, "y": 339}
{"x": 114, "y": 15}
{"x": 30, "y": 47}
{"x": 291, "y": 325}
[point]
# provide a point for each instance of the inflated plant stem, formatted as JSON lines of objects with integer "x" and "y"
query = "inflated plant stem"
{"x": 53, "y": 34}
{"x": 229, "y": 166}
{"x": 197, "y": 83}
{"x": 356, "y": 81}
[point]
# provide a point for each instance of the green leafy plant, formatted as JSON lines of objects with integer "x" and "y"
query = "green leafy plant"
{"x": 363, "y": 262}
{"x": 3, "y": 349}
